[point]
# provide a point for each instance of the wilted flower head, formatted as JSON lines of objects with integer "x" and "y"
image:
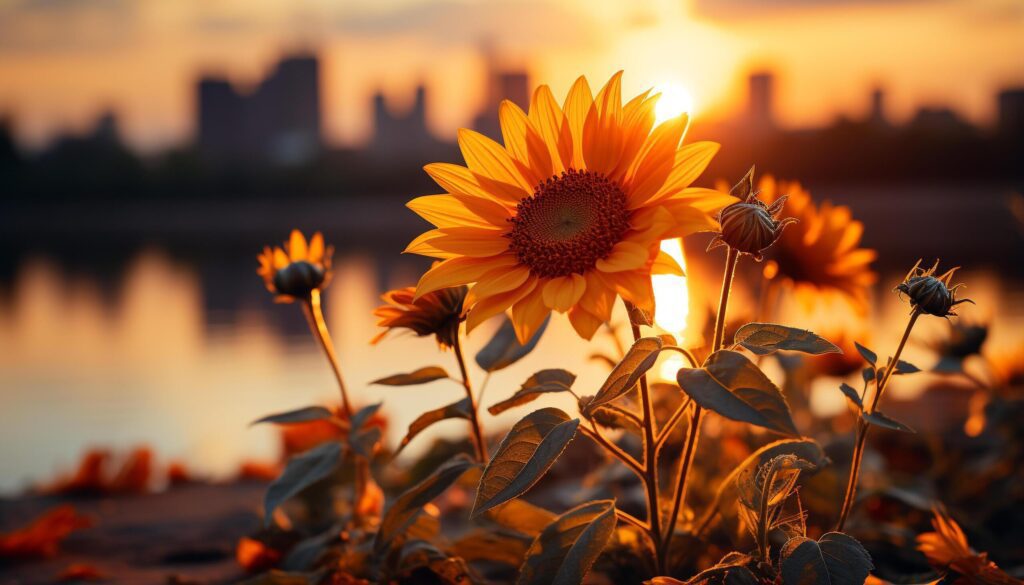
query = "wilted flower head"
{"x": 947, "y": 549}
{"x": 297, "y": 269}
{"x": 437, "y": 313}
{"x": 750, "y": 227}
{"x": 929, "y": 293}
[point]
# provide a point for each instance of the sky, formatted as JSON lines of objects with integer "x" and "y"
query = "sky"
{"x": 62, "y": 62}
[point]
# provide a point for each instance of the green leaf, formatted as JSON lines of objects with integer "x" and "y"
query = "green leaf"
{"x": 525, "y": 454}
{"x": 725, "y": 574}
{"x": 903, "y": 367}
{"x": 804, "y": 448}
{"x": 542, "y": 382}
{"x": 301, "y": 472}
{"x": 420, "y": 376}
{"x": 364, "y": 441}
{"x": 610, "y": 416}
{"x": 521, "y": 516}
{"x": 640, "y": 358}
{"x": 564, "y": 551}
{"x": 766, "y": 338}
{"x": 481, "y": 545}
{"x": 297, "y": 416}
{"x": 834, "y": 559}
{"x": 460, "y": 409}
{"x": 732, "y": 386}
{"x": 868, "y": 355}
{"x": 401, "y": 514}
{"x": 867, "y": 374}
{"x": 364, "y": 414}
{"x": 504, "y": 349}
{"x": 851, "y": 393}
{"x": 303, "y": 555}
{"x": 880, "y": 420}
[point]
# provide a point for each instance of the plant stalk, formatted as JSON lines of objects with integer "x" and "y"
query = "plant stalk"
{"x": 731, "y": 259}
{"x": 862, "y": 427}
{"x": 315, "y": 315}
{"x": 650, "y": 462}
{"x": 474, "y": 417}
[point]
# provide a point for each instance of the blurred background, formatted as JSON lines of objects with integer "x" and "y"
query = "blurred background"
{"x": 149, "y": 149}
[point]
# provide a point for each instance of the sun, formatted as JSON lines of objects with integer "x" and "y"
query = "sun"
{"x": 675, "y": 99}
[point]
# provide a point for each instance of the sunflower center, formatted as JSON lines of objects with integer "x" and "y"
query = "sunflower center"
{"x": 569, "y": 223}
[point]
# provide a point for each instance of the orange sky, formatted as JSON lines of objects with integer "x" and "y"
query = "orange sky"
{"x": 63, "y": 61}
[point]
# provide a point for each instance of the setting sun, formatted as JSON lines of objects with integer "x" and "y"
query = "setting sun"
{"x": 675, "y": 99}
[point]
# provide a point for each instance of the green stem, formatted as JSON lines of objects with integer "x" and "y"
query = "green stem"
{"x": 474, "y": 417}
{"x": 731, "y": 259}
{"x": 762, "y": 517}
{"x": 650, "y": 461}
{"x": 862, "y": 427}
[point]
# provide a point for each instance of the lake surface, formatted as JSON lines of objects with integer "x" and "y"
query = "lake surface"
{"x": 146, "y": 323}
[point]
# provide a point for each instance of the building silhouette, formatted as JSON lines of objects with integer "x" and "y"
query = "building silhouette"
{"x": 278, "y": 122}
{"x": 502, "y": 84}
{"x": 402, "y": 135}
{"x": 761, "y": 103}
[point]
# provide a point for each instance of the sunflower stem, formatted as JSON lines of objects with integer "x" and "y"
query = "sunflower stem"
{"x": 474, "y": 419}
{"x": 315, "y": 315}
{"x": 650, "y": 461}
{"x": 862, "y": 427}
{"x": 731, "y": 259}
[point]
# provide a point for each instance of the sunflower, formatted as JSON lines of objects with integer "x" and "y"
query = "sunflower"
{"x": 820, "y": 253}
{"x": 437, "y": 313}
{"x": 569, "y": 213}
{"x": 296, "y": 270}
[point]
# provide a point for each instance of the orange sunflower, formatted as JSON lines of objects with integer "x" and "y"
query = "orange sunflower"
{"x": 820, "y": 253}
{"x": 569, "y": 213}
{"x": 296, "y": 270}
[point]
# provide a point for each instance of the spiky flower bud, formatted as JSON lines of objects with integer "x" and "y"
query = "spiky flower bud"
{"x": 749, "y": 226}
{"x": 929, "y": 293}
{"x": 299, "y": 279}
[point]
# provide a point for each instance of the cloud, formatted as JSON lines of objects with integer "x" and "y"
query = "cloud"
{"x": 60, "y": 25}
{"x": 750, "y": 8}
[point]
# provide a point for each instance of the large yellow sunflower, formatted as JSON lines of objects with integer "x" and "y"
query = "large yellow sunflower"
{"x": 820, "y": 253}
{"x": 569, "y": 214}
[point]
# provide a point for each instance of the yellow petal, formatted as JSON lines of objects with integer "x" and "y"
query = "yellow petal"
{"x": 548, "y": 119}
{"x": 500, "y": 280}
{"x": 448, "y": 210}
{"x": 459, "y": 180}
{"x": 637, "y": 121}
{"x": 563, "y": 292}
{"x": 488, "y": 307}
{"x": 459, "y": 271}
{"x": 599, "y": 297}
{"x": 524, "y": 143}
{"x": 584, "y": 323}
{"x": 691, "y": 160}
{"x": 635, "y": 287}
{"x": 666, "y": 264}
{"x": 487, "y": 158}
{"x": 577, "y": 106}
{"x": 280, "y": 259}
{"x": 602, "y": 132}
{"x": 624, "y": 256}
{"x": 469, "y": 241}
{"x": 687, "y": 219}
{"x": 528, "y": 315}
{"x": 316, "y": 248}
{"x": 655, "y": 161}
{"x": 708, "y": 200}
{"x": 297, "y": 246}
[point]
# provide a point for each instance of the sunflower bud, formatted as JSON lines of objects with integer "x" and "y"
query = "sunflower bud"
{"x": 750, "y": 226}
{"x": 299, "y": 279}
{"x": 929, "y": 293}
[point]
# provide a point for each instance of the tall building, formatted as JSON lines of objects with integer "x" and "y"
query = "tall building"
{"x": 502, "y": 84}
{"x": 876, "y": 117}
{"x": 402, "y": 135}
{"x": 760, "y": 108}
{"x": 279, "y": 121}
{"x": 1011, "y": 113}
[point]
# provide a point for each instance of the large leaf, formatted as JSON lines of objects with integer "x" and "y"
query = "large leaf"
{"x": 880, "y": 420}
{"x": 521, "y": 516}
{"x": 525, "y": 454}
{"x": 723, "y": 574}
{"x": 401, "y": 514}
{"x": 297, "y": 416}
{"x": 564, "y": 551}
{"x": 766, "y": 338}
{"x": 460, "y": 409}
{"x": 732, "y": 386}
{"x": 542, "y": 382}
{"x": 504, "y": 349}
{"x": 834, "y": 559}
{"x": 491, "y": 546}
{"x": 806, "y": 449}
{"x": 301, "y": 472}
{"x": 637, "y": 361}
{"x": 420, "y": 376}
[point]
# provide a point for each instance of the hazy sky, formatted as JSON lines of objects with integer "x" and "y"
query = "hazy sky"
{"x": 64, "y": 61}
